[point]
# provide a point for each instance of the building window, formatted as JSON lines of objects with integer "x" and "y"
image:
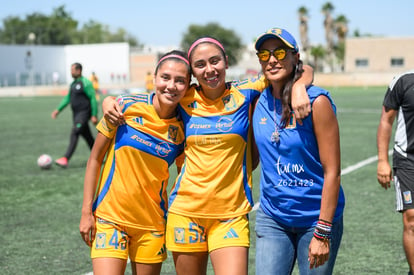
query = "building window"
{"x": 397, "y": 62}
{"x": 361, "y": 63}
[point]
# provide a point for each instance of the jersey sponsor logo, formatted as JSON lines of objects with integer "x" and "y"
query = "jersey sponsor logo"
{"x": 100, "y": 241}
{"x": 407, "y": 197}
{"x": 143, "y": 141}
{"x": 207, "y": 139}
{"x": 78, "y": 86}
{"x": 286, "y": 168}
{"x": 229, "y": 102}
{"x": 231, "y": 234}
{"x": 163, "y": 149}
{"x": 172, "y": 132}
{"x": 179, "y": 235}
{"x": 224, "y": 124}
{"x": 199, "y": 126}
{"x": 263, "y": 120}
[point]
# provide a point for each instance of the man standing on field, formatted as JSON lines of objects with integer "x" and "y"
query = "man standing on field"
{"x": 81, "y": 97}
{"x": 399, "y": 102}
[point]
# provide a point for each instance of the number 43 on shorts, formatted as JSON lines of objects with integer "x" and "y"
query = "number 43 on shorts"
{"x": 118, "y": 240}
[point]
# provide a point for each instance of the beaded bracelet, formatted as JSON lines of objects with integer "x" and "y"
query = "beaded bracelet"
{"x": 323, "y": 230}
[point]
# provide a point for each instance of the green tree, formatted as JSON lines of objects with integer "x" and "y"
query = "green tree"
{"x": 56, "y": 29}
{"x": 340, "y": 54}
{"x": 59, "y": 29}
{"x": 12, "y": 32}
{"x": 121, "y": 35}
{"x": 62, "y": 27}
{"x": 94, "y": 32}
{"x": 91, "y": 32}
{"x": 230, "y": 40}
{"x": 318, "y": 53}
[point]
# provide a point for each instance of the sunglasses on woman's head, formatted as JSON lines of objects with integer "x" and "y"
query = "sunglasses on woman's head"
{"x": 278, "y": 53}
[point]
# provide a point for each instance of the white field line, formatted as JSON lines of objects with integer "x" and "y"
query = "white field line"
{"x": 345, "y": 171}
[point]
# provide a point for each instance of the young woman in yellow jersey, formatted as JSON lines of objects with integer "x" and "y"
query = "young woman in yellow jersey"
{"x": 212, "y": 195}
{"x": 127, "y": 217}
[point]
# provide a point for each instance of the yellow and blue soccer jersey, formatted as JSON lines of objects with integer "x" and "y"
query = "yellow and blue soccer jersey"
{"x": 132, "y": 188}
{"x": 215, "y": 181}
{"x": 258, "y": 83}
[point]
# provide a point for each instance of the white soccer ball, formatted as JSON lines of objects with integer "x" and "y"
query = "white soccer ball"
{"x": 45, "y": 161}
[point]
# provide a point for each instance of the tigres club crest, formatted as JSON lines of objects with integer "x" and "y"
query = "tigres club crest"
{"x": 407, "y": 197}
{"x": 172, "y": 132}
{"x": 179, "y": 235}
{"x": 229, "y": 102}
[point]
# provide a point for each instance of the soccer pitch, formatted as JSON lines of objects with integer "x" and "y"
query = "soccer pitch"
{"x": 40, "y": 210}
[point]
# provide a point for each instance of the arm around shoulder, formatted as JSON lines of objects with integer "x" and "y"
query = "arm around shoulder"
{"x": 300, "y": 100}
{"x": 112, "y": 111}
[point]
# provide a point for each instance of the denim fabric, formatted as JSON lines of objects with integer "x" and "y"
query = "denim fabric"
{"x": 278, "y": 247}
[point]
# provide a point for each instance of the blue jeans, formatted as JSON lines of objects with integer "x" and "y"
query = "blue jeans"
{"x": 279, "y": 246}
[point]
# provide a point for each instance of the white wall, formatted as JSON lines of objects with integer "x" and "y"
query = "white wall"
{"x": 103, "y": 59}
{"x": 44, "y": 60}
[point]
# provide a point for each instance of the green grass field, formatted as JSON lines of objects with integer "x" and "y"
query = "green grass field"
{"x": 40, "y": 210}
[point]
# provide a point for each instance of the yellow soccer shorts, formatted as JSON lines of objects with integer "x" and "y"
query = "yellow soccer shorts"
{"x": 186, "y": 234}
{"x": 115, "y": 241}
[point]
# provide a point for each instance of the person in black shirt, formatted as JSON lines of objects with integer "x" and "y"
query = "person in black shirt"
{"x": 399, "y": 103}
{"x": 81, "y": 97}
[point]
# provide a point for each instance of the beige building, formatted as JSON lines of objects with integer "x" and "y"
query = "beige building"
{"x": 379, "y": 54}
{"x": 371, "y": 61}
{"x": 140, "y": 64}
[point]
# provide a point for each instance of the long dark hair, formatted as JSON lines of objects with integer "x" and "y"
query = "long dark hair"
{"x": 286, "y": 94}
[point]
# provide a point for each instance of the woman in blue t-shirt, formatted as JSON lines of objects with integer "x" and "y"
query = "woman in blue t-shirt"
{"x": 301, "y": 199}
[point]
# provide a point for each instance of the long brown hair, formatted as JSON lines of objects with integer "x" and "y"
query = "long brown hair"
{"x": 286, "y": 94}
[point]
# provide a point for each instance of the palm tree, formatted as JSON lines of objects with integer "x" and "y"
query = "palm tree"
{"x": 318, "y": 53}
{"x": 341, "y": 28}
{"x": 303, "y": 28}
{"x": 328, "y": 23}
{"x": 327, "y": 9}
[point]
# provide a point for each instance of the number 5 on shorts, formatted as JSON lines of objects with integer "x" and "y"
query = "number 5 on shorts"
{"x": 198, "y": 233}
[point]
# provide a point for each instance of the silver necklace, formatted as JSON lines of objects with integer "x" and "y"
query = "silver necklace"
{"x": 275, "y": 137}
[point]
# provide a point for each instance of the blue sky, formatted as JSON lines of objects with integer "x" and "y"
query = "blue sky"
{"x": 164, "y": 22}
